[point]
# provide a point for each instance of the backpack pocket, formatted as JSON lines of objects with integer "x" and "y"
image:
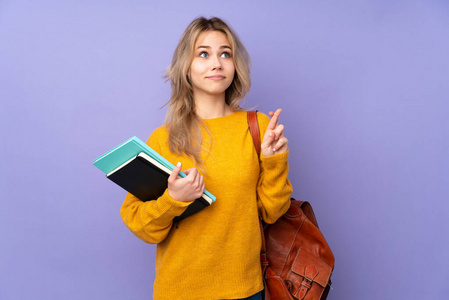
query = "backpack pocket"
{"x": 309, "y": 275}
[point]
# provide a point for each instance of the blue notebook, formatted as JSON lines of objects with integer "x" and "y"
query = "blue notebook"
{"x": 128, "y": 150}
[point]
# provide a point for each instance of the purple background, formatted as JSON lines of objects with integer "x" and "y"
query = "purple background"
{"x": 364, "y": 91}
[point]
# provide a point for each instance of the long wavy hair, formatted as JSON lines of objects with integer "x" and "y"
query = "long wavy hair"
{"x": 182, "y": 122}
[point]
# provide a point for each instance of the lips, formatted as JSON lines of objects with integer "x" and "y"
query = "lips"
{"x": 216, "y": 77}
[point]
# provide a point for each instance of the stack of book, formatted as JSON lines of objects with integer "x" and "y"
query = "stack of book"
{"x": 143, "y": 172}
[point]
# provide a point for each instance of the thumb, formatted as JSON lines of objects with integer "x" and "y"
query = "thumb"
{"x": 175, "y": 172}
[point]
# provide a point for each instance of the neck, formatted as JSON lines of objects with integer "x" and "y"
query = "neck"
{"x": 211, "y": 106}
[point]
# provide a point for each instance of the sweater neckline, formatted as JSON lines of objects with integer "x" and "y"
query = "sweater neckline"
{"x": 230, "y": 116}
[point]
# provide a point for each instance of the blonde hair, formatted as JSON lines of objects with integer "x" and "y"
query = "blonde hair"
{"x": 182, "y": 122}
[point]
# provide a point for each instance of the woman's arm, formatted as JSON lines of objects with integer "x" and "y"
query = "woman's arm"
{"x": 273, "y": 189}
{"x": 152, "y": 220}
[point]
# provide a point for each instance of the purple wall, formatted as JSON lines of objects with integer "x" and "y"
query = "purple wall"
{"x": 364, "y": 89}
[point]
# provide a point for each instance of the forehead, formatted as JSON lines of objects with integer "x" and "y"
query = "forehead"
{"x": 212, "y": 38}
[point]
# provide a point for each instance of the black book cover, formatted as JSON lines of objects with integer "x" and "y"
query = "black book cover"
{"x": 147, "y": 182}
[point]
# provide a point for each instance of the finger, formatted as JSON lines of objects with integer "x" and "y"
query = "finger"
{"x": 200, "y": 180}
{"x": 174, "y": 174}
{"x": 274, "y": 119}
{"x": 200, "y": 190}
{"x": 196, "y": 183}
{"x": 268, "y": 139}
{"x": 283, "y": 142}
{"x": 271, "y": 114}
{"x": 192, "y": 174}
{"x": 279, "y": 132}
{"x": 200, "y": 184}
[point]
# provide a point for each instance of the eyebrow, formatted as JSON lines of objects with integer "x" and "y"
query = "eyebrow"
{"x": 208, "y": 47}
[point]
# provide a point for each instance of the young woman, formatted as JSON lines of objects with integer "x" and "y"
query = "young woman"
{"x": 215, "y": 253}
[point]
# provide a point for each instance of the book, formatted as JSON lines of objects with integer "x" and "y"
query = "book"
{"x": 143, "y": 172}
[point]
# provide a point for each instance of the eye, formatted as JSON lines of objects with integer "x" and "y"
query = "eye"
{"x": 226, "y": 55}
{"x": 204, "y": 54}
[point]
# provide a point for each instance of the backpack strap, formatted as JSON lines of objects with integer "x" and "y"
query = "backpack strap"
{"x": 308, "y": 211}
{"x": 253, "y": 126}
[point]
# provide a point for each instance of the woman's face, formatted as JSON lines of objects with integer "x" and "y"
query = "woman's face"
{"x": 212, "y": 68}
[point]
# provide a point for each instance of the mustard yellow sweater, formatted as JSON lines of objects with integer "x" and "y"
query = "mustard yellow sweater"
{"x": 214, "y": 254}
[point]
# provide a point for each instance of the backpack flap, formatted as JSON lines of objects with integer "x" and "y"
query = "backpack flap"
{"x": 308, "y": 269}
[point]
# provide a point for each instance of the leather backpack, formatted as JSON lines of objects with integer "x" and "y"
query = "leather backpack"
{"x": 297, "y": 262}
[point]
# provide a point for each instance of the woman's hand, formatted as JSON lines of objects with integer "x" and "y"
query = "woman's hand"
{"x": 188, "y": 188}
{"x": 274, "y": 141}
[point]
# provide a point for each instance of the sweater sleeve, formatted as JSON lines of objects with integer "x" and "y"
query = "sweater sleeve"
{"x": 151, "y": 221}
{"x": 273, "y": 189}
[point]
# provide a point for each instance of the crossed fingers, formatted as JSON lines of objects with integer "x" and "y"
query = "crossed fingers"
{"x": 274, "y": 141}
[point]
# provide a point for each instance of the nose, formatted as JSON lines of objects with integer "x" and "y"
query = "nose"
{"x": 217, "y": 64}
